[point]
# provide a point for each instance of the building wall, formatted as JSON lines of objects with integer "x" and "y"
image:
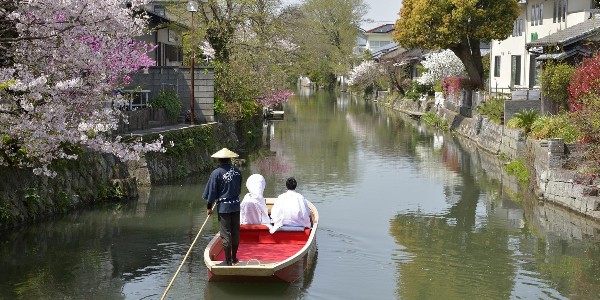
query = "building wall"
{"x": 178, "y": 78}
{"x": 577, "y": 12}
{"x": 379, "y": 37}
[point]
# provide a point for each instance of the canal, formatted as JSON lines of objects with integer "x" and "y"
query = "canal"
{"x": 406, "y": 212}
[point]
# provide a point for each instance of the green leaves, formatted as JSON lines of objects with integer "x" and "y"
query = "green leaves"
{"x": 168, "y": 100}
{"x": 523, "y": 120}
{"x": 555, "y": 80}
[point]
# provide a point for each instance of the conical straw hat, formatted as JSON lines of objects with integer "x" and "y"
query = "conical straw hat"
{"x": 224, "y": 153}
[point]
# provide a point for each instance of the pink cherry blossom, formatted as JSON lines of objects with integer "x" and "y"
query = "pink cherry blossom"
{"x": 67, "y": 59}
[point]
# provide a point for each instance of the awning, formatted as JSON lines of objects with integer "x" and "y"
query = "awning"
{"x": 563, "y": 54}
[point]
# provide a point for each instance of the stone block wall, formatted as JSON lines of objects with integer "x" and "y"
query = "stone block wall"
{"x": 178, "y": 79}
{"x": 511, "y": 107}
{"x": 556, "y": 184}
{"x": 90, "y": 179}
{"x": 488, "y": 135}
{"x": 96, "y": 178}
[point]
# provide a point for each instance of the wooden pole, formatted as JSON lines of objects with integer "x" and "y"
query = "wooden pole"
{"x": 186, "y": 256}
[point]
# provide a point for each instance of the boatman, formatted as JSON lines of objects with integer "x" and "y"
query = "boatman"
{"x": 224, "y": 187}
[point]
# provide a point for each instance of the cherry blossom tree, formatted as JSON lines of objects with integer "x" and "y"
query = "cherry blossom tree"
{"x": 440, "y": 65}
{"x": 61, "y": 63}
{"x": 273, "y": 99}
{"x": 365, "y": 76}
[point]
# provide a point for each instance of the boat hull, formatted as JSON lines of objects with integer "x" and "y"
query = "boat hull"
{"x": 291, "y": 273}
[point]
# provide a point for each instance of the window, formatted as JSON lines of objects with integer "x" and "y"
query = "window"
{"x": 173, "y": 55}
{"x": 378, "y": 44}
{"x": 497, "y": 66}
{"x": 518, "y": 27}
{"x": 515, "y": 68}
{"x": 159, "y": 10}
{"x": 537, "y": 14}
{"x": 560, "y": 11}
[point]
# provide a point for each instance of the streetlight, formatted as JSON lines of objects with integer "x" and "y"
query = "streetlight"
{"x": 192, "y": 6}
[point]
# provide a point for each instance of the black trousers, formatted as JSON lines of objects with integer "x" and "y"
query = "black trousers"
{"x": 230, "y": 231}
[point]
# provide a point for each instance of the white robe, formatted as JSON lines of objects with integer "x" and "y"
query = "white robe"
{"x": 290, "y": 209}
{"x": 253, "y": 209}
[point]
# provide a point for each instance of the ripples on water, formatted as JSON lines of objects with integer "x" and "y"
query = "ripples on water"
{"x": 406, "y": 213}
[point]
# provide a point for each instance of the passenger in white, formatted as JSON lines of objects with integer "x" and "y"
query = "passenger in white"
{"x": 290, "y": 208}
{"x": 253, "y": 207}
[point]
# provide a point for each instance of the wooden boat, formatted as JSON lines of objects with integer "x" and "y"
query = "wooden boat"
{"x": 281, "y": 256}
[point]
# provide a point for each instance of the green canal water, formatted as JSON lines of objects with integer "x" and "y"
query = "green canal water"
{"x": 406, "y": 213}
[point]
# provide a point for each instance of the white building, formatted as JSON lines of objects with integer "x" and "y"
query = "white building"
{"x": 514, "y": 63}
{"x": 379, "y": 37}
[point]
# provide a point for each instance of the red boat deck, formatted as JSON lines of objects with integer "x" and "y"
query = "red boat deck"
{"x": 256, "y": 243}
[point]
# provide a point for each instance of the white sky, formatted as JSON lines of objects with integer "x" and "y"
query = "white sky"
{"x": 380, "y": 11}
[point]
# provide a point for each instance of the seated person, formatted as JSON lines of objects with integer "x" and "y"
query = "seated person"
{"x": 290, "y": 208}
{"x": 253, "y": 209}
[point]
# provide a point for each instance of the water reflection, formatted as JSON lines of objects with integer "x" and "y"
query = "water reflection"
{"x": 406, "y": 212}
{"x": 268, "y": 290}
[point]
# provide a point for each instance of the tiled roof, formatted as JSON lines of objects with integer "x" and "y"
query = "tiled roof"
{"x": 385, "y": 49}
{"x": 569, "y": 35}
{"x": 386, "y": 28}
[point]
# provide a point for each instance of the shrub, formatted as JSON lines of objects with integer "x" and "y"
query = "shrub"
{"x": 523, "y": 120}
{"x": 422, "y": 88}
{"x": 437, "y": 86}
{"x": 557, "y": 126}
{"x": 587, "y": 119}
{"x": 219, "y": 106}
{"x": 453, "y": 85}
{"x": 492, "y": 108}
{"x": 555, "y": 80}
{"x": 413, "y": 95}
{"x": 435, "y": 120}
{"x": 168, "y": 100}
{"x": 517, "y": 168}
{"x": 585, "y": 81}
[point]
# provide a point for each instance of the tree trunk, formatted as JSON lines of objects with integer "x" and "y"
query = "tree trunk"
{"x": 469, "y": 52}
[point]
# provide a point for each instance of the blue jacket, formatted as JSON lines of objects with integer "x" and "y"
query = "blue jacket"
{"x": 224, "y": 185}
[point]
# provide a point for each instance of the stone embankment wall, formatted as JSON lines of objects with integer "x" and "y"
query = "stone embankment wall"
{"x": 91, "y": 179}
{"x": 552, "y": 182}
{"x": 98, "y": 178}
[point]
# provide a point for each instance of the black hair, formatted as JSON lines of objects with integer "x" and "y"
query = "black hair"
{"x": 291, "y": 183}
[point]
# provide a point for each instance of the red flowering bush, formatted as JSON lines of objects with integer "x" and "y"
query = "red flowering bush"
{"x": 453, "y": 85}
{"x": 585, "y": 81}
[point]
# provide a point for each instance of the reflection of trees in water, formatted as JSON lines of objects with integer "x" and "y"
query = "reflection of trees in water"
{"x": 91, "y": 254}
{"x": 271, "y": 166}
{"x": 66, "y": 258}
{"x": 314, "y": 134}
{"x": 452, "y": 257}
{"x": 451, "y": 262}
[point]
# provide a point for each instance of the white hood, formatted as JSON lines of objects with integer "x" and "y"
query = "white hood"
{"x": 253, "y": 209}
{"x": 256, "y": 185}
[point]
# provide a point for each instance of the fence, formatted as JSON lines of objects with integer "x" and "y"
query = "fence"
{"x": 466, "y": 102}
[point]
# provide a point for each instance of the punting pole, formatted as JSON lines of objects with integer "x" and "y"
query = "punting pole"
{"x": 186, "y": 256}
